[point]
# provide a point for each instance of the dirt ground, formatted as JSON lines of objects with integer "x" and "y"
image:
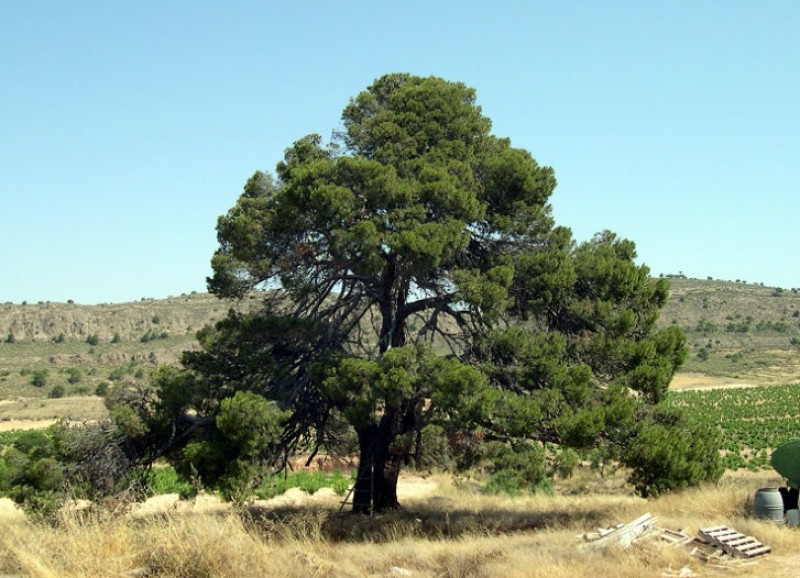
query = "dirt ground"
{"x": 684, "y": 381}
{"x": 24, "y": 424}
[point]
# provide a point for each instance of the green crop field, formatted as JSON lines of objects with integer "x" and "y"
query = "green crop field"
{"x": 753, "y": 421}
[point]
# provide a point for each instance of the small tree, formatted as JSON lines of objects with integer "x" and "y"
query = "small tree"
{"x": 93, "y": 339}
{"x": 11, "y": 338}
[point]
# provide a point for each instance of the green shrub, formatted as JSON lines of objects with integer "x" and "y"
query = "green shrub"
{"x": 93, "y": 339}
{"x": 165, "y": 480}
{"x": 57, "y": 391}
{"x": 117, "y": 373}
{"x": 39, "y": 378}
{"x": 309, "y": 482}
{"x": 565, "y": 463}
{"x": 668, "y": 453}
{"x": 516, "y": 469}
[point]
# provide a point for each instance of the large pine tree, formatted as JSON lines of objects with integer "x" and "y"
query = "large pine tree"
{"x": 411, "y": 273}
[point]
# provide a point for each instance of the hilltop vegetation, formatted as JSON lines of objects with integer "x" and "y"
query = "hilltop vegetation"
{"x": 737, "y": 330}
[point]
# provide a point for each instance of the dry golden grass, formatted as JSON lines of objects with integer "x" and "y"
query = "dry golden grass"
{"x": 457, "y": 533}
{"x": 80, "y": 408}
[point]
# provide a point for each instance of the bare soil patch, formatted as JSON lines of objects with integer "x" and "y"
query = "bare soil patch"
{"x": 685, "y": 381}
{"x": 25, "y": 424}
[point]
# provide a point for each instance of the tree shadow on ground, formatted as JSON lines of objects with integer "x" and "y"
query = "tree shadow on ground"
{"x": 430, "y": 520}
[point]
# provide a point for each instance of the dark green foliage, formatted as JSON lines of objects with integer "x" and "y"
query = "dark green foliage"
{"x": 668, "y": 453}
{"x": 705, "y": 326}
{"x": 39, "y": 469}
{"x": 60, "y": 338}
{"x": 11, "y": 338}
{"x": 102, "y": 389}
{"x": 74, "y": 375}
{"x": 117, "y": 373}
{"x": 516, "y": 468}
{"x": 39, "y": 377}
{"x": 416, "y": 279}
{"x": 116, "y": 338}
{"x": 57, "y": 391}
{"x": 93, "y": 339}
{"x": 151, "y": 335}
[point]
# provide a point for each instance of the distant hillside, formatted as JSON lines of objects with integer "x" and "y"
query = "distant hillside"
{"x": 49, "y": 349}
{"x": 737, "y": 331}
{"x": 750, "y": 332}
{"x": 129, "y": 321}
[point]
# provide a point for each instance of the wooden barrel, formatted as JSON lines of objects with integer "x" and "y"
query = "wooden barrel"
{"x": 768, "y": 504}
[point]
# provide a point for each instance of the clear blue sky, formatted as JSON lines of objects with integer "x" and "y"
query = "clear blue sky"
{"x": 127, "y": 127}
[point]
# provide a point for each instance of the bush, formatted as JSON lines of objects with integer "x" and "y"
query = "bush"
{"x": 565, "y": 463}
{"x": 39, "y": 378}
{"x": 668, "y": 453}
{"x": 60, "y": 338}
{"x": 11, "y": 338}
{"x": 516, "y": 469}
{"x": 56, "y": 392}
{"x": 309, "y": 482}
{"x": 102, "y": 389}
{"x": 93, "y": 339}
{"x": 166, "y": 481}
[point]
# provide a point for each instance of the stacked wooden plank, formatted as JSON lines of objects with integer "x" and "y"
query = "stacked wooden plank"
{"x": 622, "y": 535}
{"x": 733, "y": 542}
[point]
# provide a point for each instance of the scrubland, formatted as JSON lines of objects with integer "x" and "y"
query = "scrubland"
{"x": 452, "y": 532}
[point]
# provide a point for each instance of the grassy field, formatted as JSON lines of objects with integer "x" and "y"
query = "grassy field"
{"x": 75, "y": 409}
{"x": 454, "y": 533}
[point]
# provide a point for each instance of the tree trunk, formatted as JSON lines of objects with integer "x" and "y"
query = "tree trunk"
{"x": 378, "y": 470}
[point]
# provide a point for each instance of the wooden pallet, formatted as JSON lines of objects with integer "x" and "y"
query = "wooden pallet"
{"x": 668, "y": 538}
{"x": 732, "y": 542}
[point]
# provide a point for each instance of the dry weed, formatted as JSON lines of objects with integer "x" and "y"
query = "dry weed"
{"x": 458, "y": 534}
